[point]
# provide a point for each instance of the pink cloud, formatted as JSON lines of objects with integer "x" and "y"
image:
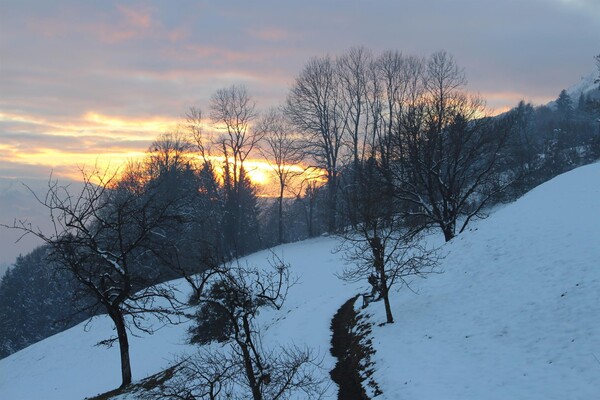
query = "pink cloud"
{"x": 221, "y": 54}
{"x": 47, "y": 28}
{"x": 139, "y": 18}
{"x": 270, "y": 34}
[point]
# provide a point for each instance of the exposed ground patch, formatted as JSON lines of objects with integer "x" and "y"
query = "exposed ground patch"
{"x": 149, "y": 383}
{"x": 351, "y": 345}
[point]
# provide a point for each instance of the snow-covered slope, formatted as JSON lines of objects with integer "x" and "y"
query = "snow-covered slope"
{"x": 515, "y": 315}
{"x": 69, "y": 365}
{"x": 587, "y": 86}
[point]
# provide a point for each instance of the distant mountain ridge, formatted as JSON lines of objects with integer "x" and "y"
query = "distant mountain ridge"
{"x": 587, "y": 86}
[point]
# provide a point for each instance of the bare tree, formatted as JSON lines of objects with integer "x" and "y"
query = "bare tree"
{"x": 396, "y": 86}
{"x": 102, "y": 236}
{"x": 202, "y": 376}
{"x": 169, "y": 153}
{"x": 194, "y": 127}
{"x": 352, "y": 71}
{"x": 379, "y": 245}
{"x": 446, "y": 168}
{"x": 307, "y": 194}
{"x": 283, "y": 154}
{"x": 385, "y": 253}
{"x": 229, "y": 299}
{"x": 314, "y": 107}
{"x": 234, "y": 111}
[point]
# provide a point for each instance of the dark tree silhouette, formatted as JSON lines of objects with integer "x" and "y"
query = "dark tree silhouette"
{"x": 103, "y": 236}
{"x": 446, "y": 167}
{"x": 229, "y": 299}
{"x": 283, "y": 154}
{"x": 314, "y": 107}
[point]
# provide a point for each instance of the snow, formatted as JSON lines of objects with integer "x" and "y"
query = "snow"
{"x": 69, "y": 366}
{"x": 515, "y": 314}
{"x": 587, "y": 86}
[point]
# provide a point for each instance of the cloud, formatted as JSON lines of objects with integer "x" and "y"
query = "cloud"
{"x": 270, "y": 34}
{"x": 592, "y": 6}
{"x": 140, "y": 18}
{"x": 113, "y": 75}
{"x": 37, "y": 145}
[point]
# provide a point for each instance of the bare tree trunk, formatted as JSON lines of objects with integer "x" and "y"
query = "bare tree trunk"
{"x": 311, "y": 208}
{"x": 245, "y": 346}
{"x": 256, "y": 394}
{"x": 386, "y": 302}
{"x": 117, "y": 318}
{"x": 280, "y": 227}
{"x": 332, "y": 194}
{"x": 448, "y": 233}
{"x": 379, "y": 264}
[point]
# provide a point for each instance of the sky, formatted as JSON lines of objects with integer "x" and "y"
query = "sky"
{"x": 89, "y": 81}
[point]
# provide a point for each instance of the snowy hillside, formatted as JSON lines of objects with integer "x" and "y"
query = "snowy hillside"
{"x": 515, "y": 315}
{"x": 586, "y": 86}
{"x": 69, "y": 366}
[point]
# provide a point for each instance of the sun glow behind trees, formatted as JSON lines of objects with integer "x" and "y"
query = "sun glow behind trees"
{"x": 109, "y": 142}
{"x": 262, "y": 175}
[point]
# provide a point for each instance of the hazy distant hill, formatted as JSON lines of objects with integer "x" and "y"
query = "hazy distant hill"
{"x": 17, "y": 202}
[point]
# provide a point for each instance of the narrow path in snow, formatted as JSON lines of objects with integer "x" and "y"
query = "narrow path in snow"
{"x": 345, "y": 346}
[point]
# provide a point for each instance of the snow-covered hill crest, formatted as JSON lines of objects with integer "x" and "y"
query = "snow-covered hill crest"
{"x": 514, "y": 315}
{"x": 586, "y": 86}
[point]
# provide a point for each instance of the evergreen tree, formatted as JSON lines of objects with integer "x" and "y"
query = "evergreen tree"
{"x": 581, "y": 103}
{"x": 240, "y": 218}
{"x": 564, "y": 106}
{"x": 35, "y": 302}
{"x": 598, "y": 66}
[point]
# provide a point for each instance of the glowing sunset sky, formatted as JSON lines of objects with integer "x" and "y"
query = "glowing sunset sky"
{"x": 81, "y": 81}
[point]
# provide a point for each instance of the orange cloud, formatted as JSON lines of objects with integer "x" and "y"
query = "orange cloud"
{"x": 108, "y": 142}
{"x": 154, "y": 125}
{"x": 95, "y": 139}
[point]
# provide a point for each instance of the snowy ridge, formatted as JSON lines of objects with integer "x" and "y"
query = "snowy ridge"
{"x": 584, "y": 86}
{"x": 514, "y": 315}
